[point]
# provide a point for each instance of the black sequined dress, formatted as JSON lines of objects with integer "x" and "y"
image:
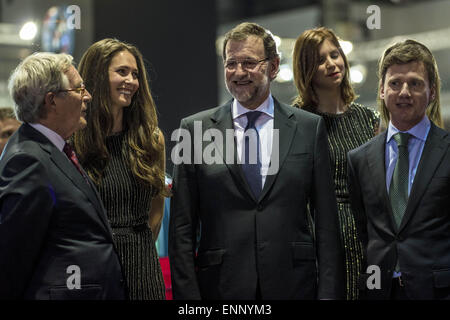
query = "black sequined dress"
{"x": 347, "y": 131}
{"x": 128, "y": 203}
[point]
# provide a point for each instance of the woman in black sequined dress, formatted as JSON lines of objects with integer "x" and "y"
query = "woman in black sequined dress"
{"x": 122, "y": 149}
{"x": 321, "y": 75}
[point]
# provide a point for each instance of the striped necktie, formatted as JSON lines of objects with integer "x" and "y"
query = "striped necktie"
{"x": 70, "y": 153}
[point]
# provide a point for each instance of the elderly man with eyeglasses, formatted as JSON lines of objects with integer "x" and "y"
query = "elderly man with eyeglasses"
{"x": 239, "y": 230}
{"x": 55, "y": 239}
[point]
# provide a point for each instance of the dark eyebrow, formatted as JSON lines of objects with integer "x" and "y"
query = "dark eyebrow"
{"x": 126, "y": 67}
{"x": 393, "y": 80}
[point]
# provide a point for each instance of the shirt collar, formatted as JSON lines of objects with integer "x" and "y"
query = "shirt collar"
{"x": 419, "y": 131}
{"x": 51, "y": 135}
{"x": 266, "y": 107}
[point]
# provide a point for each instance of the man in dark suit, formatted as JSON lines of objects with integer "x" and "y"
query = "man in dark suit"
{"x": 400, "y": 183}
{"x": 55, "y": 239}
{"x": 265, "y": 228}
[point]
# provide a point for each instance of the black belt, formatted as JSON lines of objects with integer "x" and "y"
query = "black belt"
{"x": 132, "y": 229}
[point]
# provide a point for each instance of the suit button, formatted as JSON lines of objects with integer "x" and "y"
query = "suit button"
{"x": 260, "y": 207}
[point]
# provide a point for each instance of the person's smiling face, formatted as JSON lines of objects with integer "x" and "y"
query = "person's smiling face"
{"x": 249, "y": 73}
{"x": 123, "y": 79}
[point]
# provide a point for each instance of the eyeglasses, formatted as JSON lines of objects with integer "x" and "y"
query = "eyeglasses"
{"x": 81, "y": 90}
{"x": 247, "y": 64}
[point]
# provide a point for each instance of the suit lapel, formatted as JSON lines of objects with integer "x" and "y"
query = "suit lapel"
{"x": 433, "y": 151}
{"x": 69, "y": 170}
{"x": 222, "y": 121}
{"x": 377, "y": 167}
{"x": 280, "y": 147}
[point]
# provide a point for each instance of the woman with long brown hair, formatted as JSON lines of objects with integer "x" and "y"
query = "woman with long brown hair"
{"x": 321, "y": 75}
{"x": 122, "y": 150}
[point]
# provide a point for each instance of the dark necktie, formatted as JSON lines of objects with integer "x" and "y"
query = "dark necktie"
{"x": 398, "y": 190}
{"x": 252, "y": 171}
{"x": 68, "y": 150}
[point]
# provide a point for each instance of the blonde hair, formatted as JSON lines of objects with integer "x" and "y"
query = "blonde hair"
{"x": 405, "y": 52}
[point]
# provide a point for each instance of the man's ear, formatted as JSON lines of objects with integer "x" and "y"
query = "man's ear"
{"x": 432, "y": 94}
{"x": 274, "y": 67}
{"x": 381, "y": 86}
{"x": 49, "y": 101}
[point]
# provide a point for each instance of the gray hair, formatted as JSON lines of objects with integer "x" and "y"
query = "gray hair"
{"x": 33, "y": 78}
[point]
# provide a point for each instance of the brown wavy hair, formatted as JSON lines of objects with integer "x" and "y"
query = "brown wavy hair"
{"x": 145, "y": 149}
{"x": 305, "y": 61}
{"x": 405, "y": 52}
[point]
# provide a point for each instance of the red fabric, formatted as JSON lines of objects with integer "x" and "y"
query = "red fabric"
{"x": 165, "y": 267}
{"x": 68, "y": 150}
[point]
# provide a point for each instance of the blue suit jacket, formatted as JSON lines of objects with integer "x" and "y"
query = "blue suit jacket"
{"x": 421, "y": 242}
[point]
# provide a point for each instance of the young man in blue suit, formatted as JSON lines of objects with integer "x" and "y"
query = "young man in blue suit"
{"x": 400, "y": 183}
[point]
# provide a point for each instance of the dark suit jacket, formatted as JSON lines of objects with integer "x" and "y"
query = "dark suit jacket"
{"x": 50, "y": 219}
{"x": 422, "y": 242}
{"x": 223, "y": 241}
